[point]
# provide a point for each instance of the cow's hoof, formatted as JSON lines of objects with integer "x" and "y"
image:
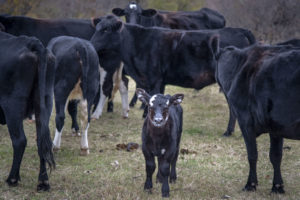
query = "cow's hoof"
{"x": 149, "y": 190}
{"x": 12, "y": 182}
{"x": 43, "y": 186}
{"x": 84, "y": 152}
{"x": 250, "y": 187}
{"x": 227, "y": 134}
{"x": 94, "y": 116}
{"x": 165, "y": 195}
{"x": 56, "y": 149}
{"x": 131, "y": 105}
{"x": 148, "y": 186}
{"x": 278, "y": 189}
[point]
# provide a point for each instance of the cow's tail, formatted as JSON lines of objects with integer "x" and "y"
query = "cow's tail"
{"x": 43, "y": 106}
{"x": 249, "y": 35}
{"x": 81, "y": 51}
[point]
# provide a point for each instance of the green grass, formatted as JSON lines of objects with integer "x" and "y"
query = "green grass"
{"x": 219, "y": 167}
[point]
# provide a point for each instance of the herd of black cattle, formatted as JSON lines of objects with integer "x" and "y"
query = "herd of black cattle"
{"x": 84, "y": 61}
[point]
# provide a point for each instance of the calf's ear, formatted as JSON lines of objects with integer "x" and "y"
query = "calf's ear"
{"x": 118, "y": 11}
{"x": 149, "y": 12}
{"x": 176, "y": 99}
{"x": 142, "y": 95}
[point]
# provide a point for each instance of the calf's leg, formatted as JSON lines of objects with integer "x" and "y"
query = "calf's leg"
{"x": 124, "y": 97}
{"x": 150, "y": 168}
{"x": 72, "y": 109}
{"x": 164, "y": 170}
{"x": 60, "y": 105}
{"x": 173, "y": 175}
{"x": 275, "y": 158}
{"x": 84, "y": 144}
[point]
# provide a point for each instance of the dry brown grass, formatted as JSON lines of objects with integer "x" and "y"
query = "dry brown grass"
{"x": 218, "y": 168}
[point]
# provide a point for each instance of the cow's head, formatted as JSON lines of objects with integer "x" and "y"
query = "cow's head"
{"x": 158, "y": 106}
{"x": 134, "y": 12}
{"x": 107, "y": 36}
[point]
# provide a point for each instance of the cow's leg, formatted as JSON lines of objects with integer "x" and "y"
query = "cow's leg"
{"x": 99, "y": 109}
{"x": 150, "y": 168}
{"x": 72, "y": 109}
{"x": 164, "y": 170}
{"x": 250, "y": 141}
{"x": 173, "y": 175}
{"x": 84, "y": 144}
{"x": 14, "y": 120}
{"x": 231, "y": 123}
{"x": 124, "y": 96}
{"x": 275, "y": 158}
{"x": 60, "y": 106}
{"x": 133, "y": 100}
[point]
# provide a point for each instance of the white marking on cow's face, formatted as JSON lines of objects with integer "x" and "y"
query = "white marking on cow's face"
{"x": 163, "y": 151}
{"x": 167, "y": 103}
{"x": 152, "y": 100}
{"x": 133, "y": 6}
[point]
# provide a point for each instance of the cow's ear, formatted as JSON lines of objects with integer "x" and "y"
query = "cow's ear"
{"x": 213, "y": 45}
{"x": 149, "y": 12}
{"x": 118, "y": 11}
{"x": 176, "y": 99}
{"x": 142, "y": 95}
{"x": 95, "y": 21}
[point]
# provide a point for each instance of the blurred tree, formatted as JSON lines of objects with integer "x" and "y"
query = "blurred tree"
{"x": 176, "y": 5}
{"x": 18, "y": 7}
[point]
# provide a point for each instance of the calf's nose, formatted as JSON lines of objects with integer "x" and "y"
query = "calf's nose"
{"x": 158, "y": 120}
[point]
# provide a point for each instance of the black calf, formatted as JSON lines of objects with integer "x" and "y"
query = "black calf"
{"x": 161, "y": 137}
{"x": 77, "y": 77}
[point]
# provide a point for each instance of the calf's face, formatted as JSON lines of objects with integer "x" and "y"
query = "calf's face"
{"x": 134, "y": 12}
{"x": 158, "y": 106}
{"x": 107, "y": 36}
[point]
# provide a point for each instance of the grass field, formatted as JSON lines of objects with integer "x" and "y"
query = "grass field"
{"x": 217, "y": 169}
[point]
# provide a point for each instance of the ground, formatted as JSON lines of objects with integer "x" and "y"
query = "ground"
{"x": 215, "y": 168}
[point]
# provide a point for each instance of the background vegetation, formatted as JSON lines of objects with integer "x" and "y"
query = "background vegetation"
{"x": 270, "y": 20}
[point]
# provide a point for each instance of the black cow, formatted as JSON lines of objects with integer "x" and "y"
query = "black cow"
{"x": 45, "y": 29}
{"x": 204, "y": 18}
{"x": 262, "y": 84}
{"x": 76, "y": 77}
{"x": 194, "y": 20}
{"x": 293, "y": 42}
{"x": 26, "y": 86}
{"x": 155, "y": 56}
{"x": 161, "y": 137}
